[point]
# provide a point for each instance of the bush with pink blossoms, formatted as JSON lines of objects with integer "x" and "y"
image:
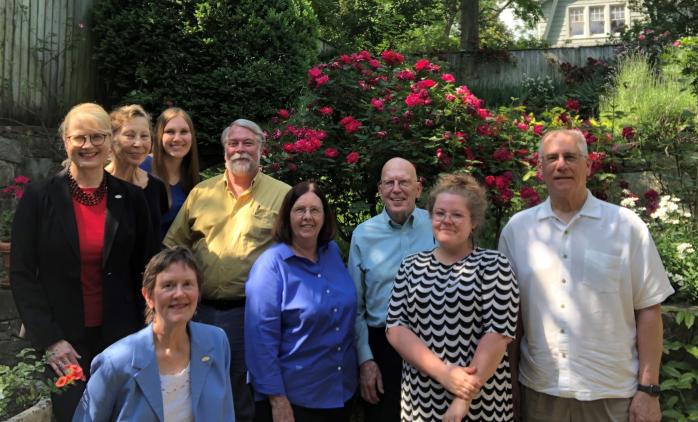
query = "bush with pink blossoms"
{"x": 361, "y": 110}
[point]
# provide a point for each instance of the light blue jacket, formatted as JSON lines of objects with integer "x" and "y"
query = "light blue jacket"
{"x": 125, "y": 380}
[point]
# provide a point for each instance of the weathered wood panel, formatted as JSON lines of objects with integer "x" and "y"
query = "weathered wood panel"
{"x": 522, "y": 63}
{"x": 45, "y": 59}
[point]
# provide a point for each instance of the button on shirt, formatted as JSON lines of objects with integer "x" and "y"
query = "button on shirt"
{"x": 378, "y": 246}
{"x": 299, "y": 320}
{"x": 227, "y": 233}
{"x": 580, "y": 285}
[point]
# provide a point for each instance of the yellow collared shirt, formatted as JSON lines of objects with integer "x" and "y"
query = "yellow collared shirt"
{"x": 226, "y": 233}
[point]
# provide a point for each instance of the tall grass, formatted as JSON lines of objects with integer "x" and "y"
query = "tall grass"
{"x": 644, "y": 98}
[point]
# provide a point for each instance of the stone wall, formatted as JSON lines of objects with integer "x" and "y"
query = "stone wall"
{"x": 36, "y": 153}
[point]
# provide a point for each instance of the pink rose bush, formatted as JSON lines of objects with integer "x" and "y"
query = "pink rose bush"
{"x": 361, "y": 110}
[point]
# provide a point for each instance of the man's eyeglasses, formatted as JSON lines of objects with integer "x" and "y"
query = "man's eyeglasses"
{"x": 96, "y": 139}
{"x": 389, "y": 184}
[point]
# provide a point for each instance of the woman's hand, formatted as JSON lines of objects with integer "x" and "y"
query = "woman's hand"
{"x": 457, "y": 410}
{"x": 460, "y": 381}
{"x": 281, "y": 410}
{"x": 61, "y": 354}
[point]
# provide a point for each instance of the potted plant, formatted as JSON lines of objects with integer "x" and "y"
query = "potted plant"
{"x": 14, "y": 193}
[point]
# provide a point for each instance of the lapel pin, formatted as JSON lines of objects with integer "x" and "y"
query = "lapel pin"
{"x": 205, "y": 359}
{"x": 117, "y": 196}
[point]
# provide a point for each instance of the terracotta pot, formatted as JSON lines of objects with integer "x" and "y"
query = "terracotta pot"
{"x": 5, "y": 262}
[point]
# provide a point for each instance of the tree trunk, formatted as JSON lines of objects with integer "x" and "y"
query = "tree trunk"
{"x": 469, "y": 25}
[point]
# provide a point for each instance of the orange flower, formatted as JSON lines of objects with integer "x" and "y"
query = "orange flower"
{"x": 60, "y": 382}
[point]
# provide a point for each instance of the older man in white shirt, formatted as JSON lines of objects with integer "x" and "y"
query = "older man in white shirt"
{"x": 592, "y": 284}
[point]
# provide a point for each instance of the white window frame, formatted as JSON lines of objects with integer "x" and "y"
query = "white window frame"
{"x": 586, "y": 14}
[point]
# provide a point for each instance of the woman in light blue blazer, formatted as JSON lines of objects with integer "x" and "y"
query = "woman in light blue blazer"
{"x": 174, "y": 369}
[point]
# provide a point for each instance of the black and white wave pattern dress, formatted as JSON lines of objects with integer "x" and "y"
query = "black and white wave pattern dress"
{"x": 450, "y": 308}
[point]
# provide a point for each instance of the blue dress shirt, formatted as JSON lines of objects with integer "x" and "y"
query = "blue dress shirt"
{"x": 299, "y": 327}
{"x": 378, "y": 246}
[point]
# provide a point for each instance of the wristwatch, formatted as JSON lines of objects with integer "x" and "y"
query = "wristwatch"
{"x": 651, "y": 389}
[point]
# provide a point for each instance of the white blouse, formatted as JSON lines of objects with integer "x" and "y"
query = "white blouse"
{"x": 176, "y": 396}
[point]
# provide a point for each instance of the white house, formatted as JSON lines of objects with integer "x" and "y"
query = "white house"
{"x": 569, "y": 23}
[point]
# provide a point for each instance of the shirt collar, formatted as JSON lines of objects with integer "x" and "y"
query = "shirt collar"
{"x": 286, "y": 252}
{"x": 393, "y": 225}
{"x": 248, "y": 191}
{"x": 591, "y": 208}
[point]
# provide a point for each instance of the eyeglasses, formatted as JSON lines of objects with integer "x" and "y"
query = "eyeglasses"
{"x": 300, "y": 211}
{"x": 570, "y": 158}
{"x": 96, "y": 139}
{"x": 440, "y": 216}
{"x": 390, "y": 184}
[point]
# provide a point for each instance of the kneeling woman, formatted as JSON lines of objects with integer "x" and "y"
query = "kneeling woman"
{"x": 299, "y": 317}
{"x": 172, "y": 370}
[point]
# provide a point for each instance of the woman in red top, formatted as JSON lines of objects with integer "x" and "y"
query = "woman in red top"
{"x": 80, "y": 241}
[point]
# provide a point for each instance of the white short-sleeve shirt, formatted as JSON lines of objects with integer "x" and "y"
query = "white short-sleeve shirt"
{"x": 580, "y": 284}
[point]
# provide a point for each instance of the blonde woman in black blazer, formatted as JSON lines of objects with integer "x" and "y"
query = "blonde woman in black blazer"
{"x": 80, "y": 242}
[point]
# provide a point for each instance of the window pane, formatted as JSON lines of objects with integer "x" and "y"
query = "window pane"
{"x": 617, "y": 18}
{"x": 596, "y": 20}
{"x": 576, "y": 21}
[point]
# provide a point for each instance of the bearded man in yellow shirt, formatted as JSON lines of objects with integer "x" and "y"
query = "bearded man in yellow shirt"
{"x": 227, "y": 222}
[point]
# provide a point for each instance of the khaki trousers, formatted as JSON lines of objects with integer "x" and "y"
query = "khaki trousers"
{"x": 540, "y": 407}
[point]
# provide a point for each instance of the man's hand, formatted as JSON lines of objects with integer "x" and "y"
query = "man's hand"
{"x": 60, "y": 355}
{"x": 281, "y": 410}
{"x": 371, "y": 381}
{"x": 645, "y": 408}
{"x": 456, "y": 411}
{"x": 460, "y": 381}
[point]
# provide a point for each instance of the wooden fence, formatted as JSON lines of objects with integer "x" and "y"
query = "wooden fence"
{"x": 45, "y": 59}
{"x": 491, "y": 73}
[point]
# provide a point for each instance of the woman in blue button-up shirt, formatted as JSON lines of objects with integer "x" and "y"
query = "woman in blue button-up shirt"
{"x": 299, "y": 317}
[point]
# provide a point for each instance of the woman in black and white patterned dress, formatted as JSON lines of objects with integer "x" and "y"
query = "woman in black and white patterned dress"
{"x": 452, "y": 313}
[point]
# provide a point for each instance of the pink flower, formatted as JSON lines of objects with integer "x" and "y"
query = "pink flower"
{"x": 529, "y": 195}
{"x": 350, "y": 124}
{"x": 374, "y": 63}
{"x": 325, "y": 111}
{"x": 377, "y": 104}
{"x": 331, "y": 153}
{"x": 450, "y": 98}
{"x": 538, "y": 129}
{"x": 523, "y": 127}
{"x": 322, "y": 80}
{"x": 353, "y": 157}
{"x": 415, "y": 99}
{"x": 391, "y": 58}
{"x": 483, "y": 130}
{"x": 406, "y": 75}
{"x": 289, "y": 148}
{"x": 628, "y": 133}
{"x": 423, "y": 84}
{"x": 422, "y": 64}
{"x": 448, "y": 78}
{"x": 381, "y": 134}
{"x": 483, "y": 113}
{"x": 314, "y": 73}
{"x": 462, "y": 90}
{"x": 676, "y": 43}
{"x": 641, "y": 37}
{"x": 283, "y": 113}
{"x": 345, "y": 59}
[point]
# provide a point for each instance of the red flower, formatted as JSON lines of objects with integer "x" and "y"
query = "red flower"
{"x": 423, "y": 84}
{"x": 502, "y": 154}
{"x": 353, "y": 157}
{"x": 374, "y": 63}
{"x": 489, "y": 181}
{"x": 391, "y": 58}
{"x": 422, "y": 64}
{"x": 325, "y": 111}
{"x": 331, "y": 153}
{"x": 283, "y": 113}
{"x": 377, "y": 104}
{"x": 628, "y": 133}
{"x": 529, "y": 195}
{"x": 483, "y": 130}
{"x": 448, "y": 78}
{"x": 572, "y": 104}
{"x": 450, "y": 98}
{"x": 350, "y": 124}
{"x": 416, "y": 99}
{"x": 406, "y": 75}
{"x": 483, "y": 113}
{"x": 538, "y": 129}
{"x": 21, "y": 180}
{"x": 292, "y": 167}
{"x": 321, "y": 80}
{"x": 289, "y": 148}
{"x": 597, "y": 159}
{"x": 314, "y": 73}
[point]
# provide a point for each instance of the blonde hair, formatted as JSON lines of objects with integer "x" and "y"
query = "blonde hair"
{"x": 124, "y": 114}
{"x": 469, "y": 188}
{"x": 91, "y": 111}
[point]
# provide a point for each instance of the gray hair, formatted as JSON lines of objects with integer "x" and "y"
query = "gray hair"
{"x": 575, "y": 134}
{"x": 250, "y": 125}
{"x": 224, "y": 135}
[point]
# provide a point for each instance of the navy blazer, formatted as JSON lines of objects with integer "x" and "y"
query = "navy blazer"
{"x": 125, "y": 379}
{"x": 45, "y": 273}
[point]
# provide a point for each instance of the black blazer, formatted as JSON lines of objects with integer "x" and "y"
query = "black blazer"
{"x": 45, "y": 270}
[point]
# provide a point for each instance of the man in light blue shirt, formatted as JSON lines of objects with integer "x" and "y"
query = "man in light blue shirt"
{"x": 377, "y": 247}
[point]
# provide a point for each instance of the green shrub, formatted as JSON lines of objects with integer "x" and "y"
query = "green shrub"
{"x": 217, "y": 60}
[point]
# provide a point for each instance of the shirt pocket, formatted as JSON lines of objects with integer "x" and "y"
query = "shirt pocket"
{"x": 602, "y": 271}
{"x": 260, "y": 225}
